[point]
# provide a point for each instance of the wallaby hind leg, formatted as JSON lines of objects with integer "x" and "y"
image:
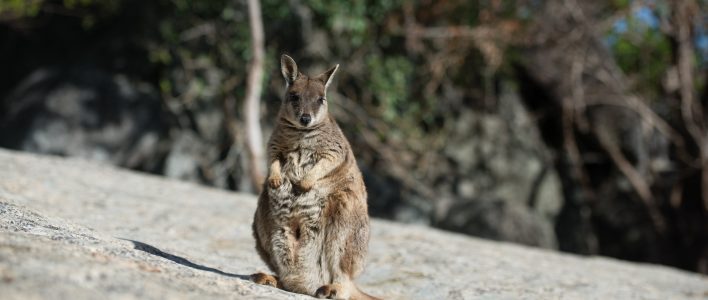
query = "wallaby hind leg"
{"x": 265, "y": 256}
{"x": 262, "y": 278}
{"x": 259, "y": 229}
{"x": 356, "y": 248}
{"x": 345, "y": 259}
{"x": 307, "y": 275}
{"x": 346, "y": 243}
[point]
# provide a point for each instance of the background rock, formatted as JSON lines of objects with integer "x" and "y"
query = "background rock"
{"x": 80, "y": 230}
{"x": 86, "y": 112}
{"x": 502, "y": 188}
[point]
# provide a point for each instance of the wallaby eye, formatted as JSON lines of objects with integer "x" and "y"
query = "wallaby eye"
{"x": 293, "y": 98}
{"x": 322, "y": 100}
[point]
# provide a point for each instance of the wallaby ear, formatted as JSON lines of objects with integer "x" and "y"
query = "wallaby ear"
{"x": 289, "y": 69}
{"x": 326, "y": 77}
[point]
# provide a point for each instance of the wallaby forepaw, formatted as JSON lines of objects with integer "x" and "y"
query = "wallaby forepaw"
{"x": 331, "y": 291}
{"x": 265, "y": 279}
{"x": 274, "y": 181}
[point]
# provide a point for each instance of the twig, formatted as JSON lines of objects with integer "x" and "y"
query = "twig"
{"x": 206, "y": 29}
{"x": 691, "y": 110}
{"x": 571, "y": 147}
{"x": 648, "y": 116}
{"x": 635, "y": 179}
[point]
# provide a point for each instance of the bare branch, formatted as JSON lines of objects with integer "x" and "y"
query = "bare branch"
{"x": 635, "y": 179}
{"x": 691, "y": 110}
{"x": 251, "y": 105}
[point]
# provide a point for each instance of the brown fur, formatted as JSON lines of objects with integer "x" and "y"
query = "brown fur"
{"x": 311, "y": 225}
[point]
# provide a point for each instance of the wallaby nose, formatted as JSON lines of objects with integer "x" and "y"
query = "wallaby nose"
{"x": 305, "y": 119}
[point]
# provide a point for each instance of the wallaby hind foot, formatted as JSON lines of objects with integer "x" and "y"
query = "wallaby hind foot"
{"x": 266, "y": 279}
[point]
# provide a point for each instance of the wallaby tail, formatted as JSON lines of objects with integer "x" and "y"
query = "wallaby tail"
{"x": 359, "y": 295}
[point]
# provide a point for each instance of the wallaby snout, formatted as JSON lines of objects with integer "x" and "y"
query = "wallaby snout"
{"x": 305, "y": 119}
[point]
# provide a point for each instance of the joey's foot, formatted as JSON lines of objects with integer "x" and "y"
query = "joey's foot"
{"x": 265, "y": 279}
{"x": 331, "y": 291}
{"x": 274, "y": 181}
{"x": 305, "y": 184}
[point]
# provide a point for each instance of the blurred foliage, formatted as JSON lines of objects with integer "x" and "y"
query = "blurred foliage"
{"x": 200, "y": 45}
{"x": 643, "y": 51}
{"x": 353, "y": 20}
{"x": 199, "y": 52}
{"x": 90, "y": 11}
{"x": 20, "y": 8}
{"x": 389, "y": 81}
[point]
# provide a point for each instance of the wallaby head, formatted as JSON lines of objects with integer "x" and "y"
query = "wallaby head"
{"x": 305, "y": 102}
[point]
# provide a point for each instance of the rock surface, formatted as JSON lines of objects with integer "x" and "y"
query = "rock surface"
{"x": 80, "y": 230}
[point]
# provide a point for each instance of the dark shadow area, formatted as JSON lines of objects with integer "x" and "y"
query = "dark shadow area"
{"x": 181, "y": 260}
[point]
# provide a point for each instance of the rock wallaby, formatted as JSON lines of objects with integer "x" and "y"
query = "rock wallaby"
{"x": 311, "y": 225}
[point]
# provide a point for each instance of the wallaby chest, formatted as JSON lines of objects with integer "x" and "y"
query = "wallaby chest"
{"x": 302, "y": 152}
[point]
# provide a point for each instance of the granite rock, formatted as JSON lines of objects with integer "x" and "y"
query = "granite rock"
{"x": 72, "y": 229}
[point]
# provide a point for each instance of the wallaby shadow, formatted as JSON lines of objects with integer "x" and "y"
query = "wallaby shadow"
{"x": 181, "y": 260}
